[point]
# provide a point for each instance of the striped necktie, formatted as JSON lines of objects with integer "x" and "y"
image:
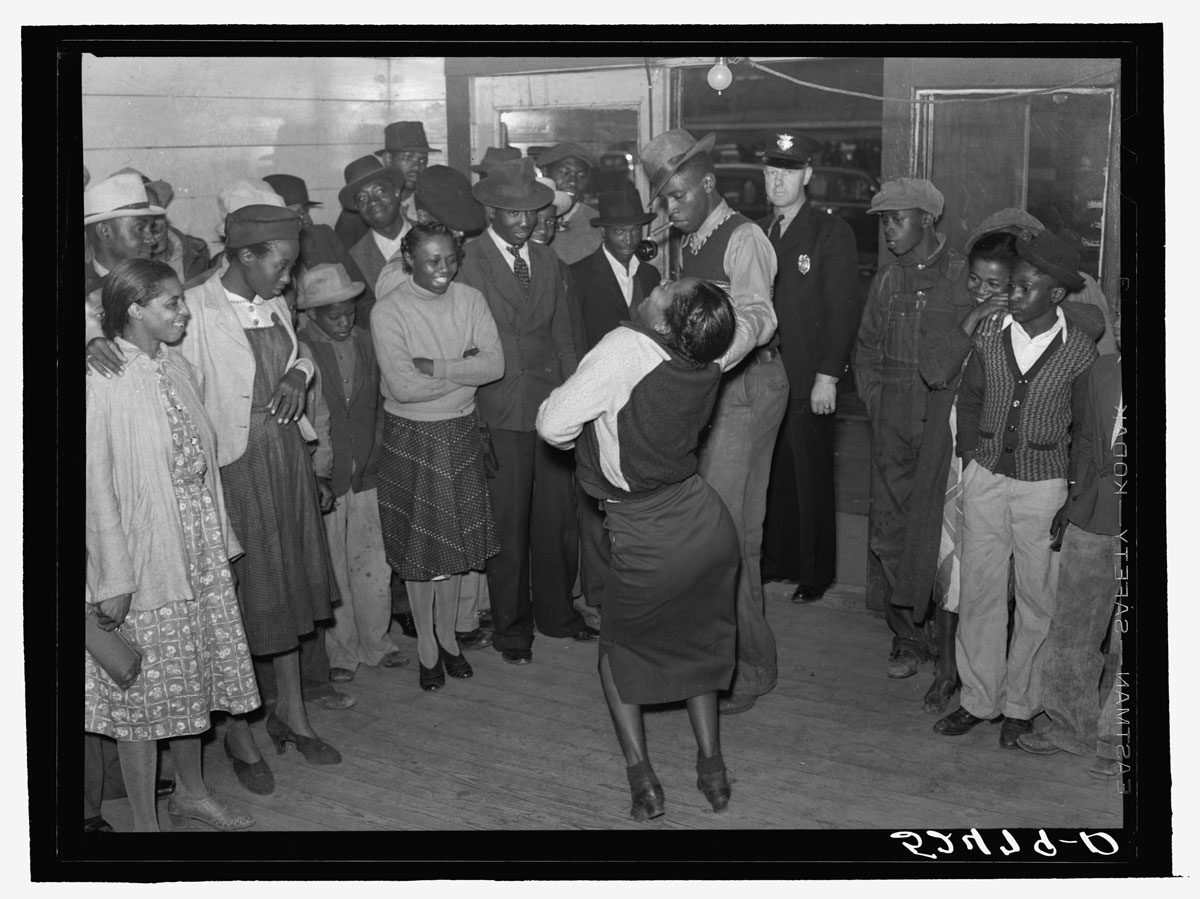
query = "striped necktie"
{"x": 520, "y": 268}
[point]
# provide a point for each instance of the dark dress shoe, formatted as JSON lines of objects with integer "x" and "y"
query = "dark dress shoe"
{"x": 1011, "y": 729}
{"x": 476, "y": 639}
{"x": 485, "y": 619}
{"x": 164, "y": 788}
{"x": 937, "y": 697}
{"x": 957, "y": 723}
{"x": 96, "y": 824}
{"x": 585, "y": 634}
{"x": 646, "y": 792}
{"x": 254, "y": 776}
{"x": 713, "y": 781}
{"x": 809, "y": 593}
{"x": 517, "y": 656}
{"x": 431, "y": 679}
{"x": 407, "y": 626}
{"x": 456, "y": 665}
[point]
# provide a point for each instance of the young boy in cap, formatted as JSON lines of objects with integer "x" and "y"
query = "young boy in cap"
{"x": 925, "y": 274}
{"x": 569, "y": 165}
{"x": 346, "y": 471}
{"x": 1014, "y": 411}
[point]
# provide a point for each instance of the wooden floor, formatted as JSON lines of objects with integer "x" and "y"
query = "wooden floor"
{"x": 835, "y": 745}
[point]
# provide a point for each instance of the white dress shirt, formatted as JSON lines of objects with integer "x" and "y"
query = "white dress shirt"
{"x": 1028, "y": 350}
{"x": 624, "y": 278}
{"x": 503, "y": 246}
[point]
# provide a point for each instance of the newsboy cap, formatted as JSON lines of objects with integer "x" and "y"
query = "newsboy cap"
{"x": 908, "y": 193}
{"x": 1011, "y": 221}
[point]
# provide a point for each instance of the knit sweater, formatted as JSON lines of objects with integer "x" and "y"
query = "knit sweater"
{"x": 413, "y": 323}
{"x": 1018, "y": 424}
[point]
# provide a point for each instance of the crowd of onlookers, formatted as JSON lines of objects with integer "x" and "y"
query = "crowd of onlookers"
{"x": 320, "y": 431}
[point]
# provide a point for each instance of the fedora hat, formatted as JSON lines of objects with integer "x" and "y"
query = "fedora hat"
{"x": 118, "y": 196}
{"x": 787, "y": 150}
{"x": 400, "y": 136}
{"x": 663, "y": 156}
{"x": 445, "y": 193}
{"x": 160, "y": 192}
{"x": 563, "y": 201}
{"x": 325, "y": 284}
{"x": 363, "y": 171}
{"x": 493, "y": 155}
{"x": 1051, "y": 254}
{"x": 293, "y": 190}
{"x": 565, "y": 150}
{"x": 621, "y": 207}
{"x": 513, "y": 185}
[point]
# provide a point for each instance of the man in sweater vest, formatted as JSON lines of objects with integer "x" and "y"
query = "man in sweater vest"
{"x": 1014, "y": 412}
{"x": 725, "y": 247}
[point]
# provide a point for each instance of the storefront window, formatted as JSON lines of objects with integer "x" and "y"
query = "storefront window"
{"x": 1045, "y": 153}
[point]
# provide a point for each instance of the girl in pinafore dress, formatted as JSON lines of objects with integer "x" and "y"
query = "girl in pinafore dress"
{"x": 159, "y": 543}
{"x": 242, "y": 343}
{"x": 636, "y": 405}
{"x": 436, "y": 342}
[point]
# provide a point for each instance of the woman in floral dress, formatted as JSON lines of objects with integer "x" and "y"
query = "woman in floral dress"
{"x": 159, "y": 545}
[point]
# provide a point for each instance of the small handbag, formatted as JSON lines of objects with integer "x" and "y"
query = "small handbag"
{"x": 120, "y": 660}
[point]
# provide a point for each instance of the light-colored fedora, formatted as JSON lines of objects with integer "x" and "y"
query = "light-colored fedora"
{"x": 325, "y": 284}
{"x": 117, "y": 197}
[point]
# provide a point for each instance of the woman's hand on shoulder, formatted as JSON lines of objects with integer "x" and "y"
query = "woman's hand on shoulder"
{"x": 104, "y": 356}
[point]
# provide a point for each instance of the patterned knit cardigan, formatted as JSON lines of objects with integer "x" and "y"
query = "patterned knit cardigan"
{"x": 1018, "y": 424}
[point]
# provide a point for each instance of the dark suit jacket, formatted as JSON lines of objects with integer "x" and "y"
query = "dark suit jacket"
{"x": 1095, "y": 496}
{"x": 818, "y": 310}
{"x": 535, "y": 331}
{"x": 370, "y": 262}
{"x": 600, "y": 297}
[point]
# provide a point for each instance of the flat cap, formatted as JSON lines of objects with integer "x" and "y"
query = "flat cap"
{"x": 908, "y": 193}
{"x": 565, "y": 150}
{"x": 1011, "y": 221}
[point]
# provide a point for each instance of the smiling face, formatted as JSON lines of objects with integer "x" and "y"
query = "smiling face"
{"x": 378, "y": 203}
{"x": 903, "y": 229}
{"x": 434, "y": 263}
{"x": 547, "y": 223}
{"x": 513, "y": 226}
{"x": 1033, "y": 298}
{"x": 570, "y": 175}
{"x": 785, "y": 187}
{"x": 622, "y": 240}
{"x": 690, "y": 198}
{"x": 335, "y": 319}
{"x": 269, "y": 274}
{"x": 164, "y": 319}
{"x": 988, "y": 278}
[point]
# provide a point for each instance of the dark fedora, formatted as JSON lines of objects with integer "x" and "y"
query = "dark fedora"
{"x": 621, "y": 207}
{"x": 494, "y": 155}
{"x": 787, "y": 150}
{"x": 513, "y": 185}
{"x": 1051, "y": 254}
{"x": 445, "y": 193}
{"x": 363, "y": 171}
{"x": 663, "y": 156}
{"x": 293, "y": 190}
{"x": 400, "y": 136}
{"x": 565, "y": 150}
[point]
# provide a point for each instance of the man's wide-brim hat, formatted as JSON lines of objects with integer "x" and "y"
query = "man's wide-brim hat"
{"x": 445, "y": 193}
{"x": 663, "y": 156}
{"x": 119, "y": 196}
{"x": 362, "y": 172}
{"x": 293, "y": 190}
{"x": 1051, "y": 254}
{"x": 325, "y": 284}
{"x": 493, "y": 156}
{"x": 513, "y": 185}
{"x": 621, "y": 207}
{"x": 400, "y": 136}
{"x": 787, "y": 150}
{"x": 160, "y": 192}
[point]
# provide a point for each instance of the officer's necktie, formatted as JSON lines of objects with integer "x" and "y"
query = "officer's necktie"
{"x": 520, "y": 268}
{"x": 776, "y": 230}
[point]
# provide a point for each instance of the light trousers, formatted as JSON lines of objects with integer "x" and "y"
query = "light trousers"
{"x": 359, "y": 635}
{"x": 1004, "y": 517}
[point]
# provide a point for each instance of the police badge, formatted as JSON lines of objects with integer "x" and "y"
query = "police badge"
{"x": 804, "y": 263}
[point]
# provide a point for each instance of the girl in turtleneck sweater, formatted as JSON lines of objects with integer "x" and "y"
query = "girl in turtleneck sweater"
{"x": 436, "y": 342}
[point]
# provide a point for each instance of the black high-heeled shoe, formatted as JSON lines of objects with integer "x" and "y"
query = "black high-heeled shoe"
{"x": 254, "y": 776}
{"x": 315, "y": 750}
{"x": 456, "y": 666}
{"x": 649, "y": 801}
{"x": 431, "y": 679}
{"x": 713, "y": 781}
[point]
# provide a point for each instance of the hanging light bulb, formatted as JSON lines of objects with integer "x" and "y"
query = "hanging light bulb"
{"x": 719, "y": 76}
